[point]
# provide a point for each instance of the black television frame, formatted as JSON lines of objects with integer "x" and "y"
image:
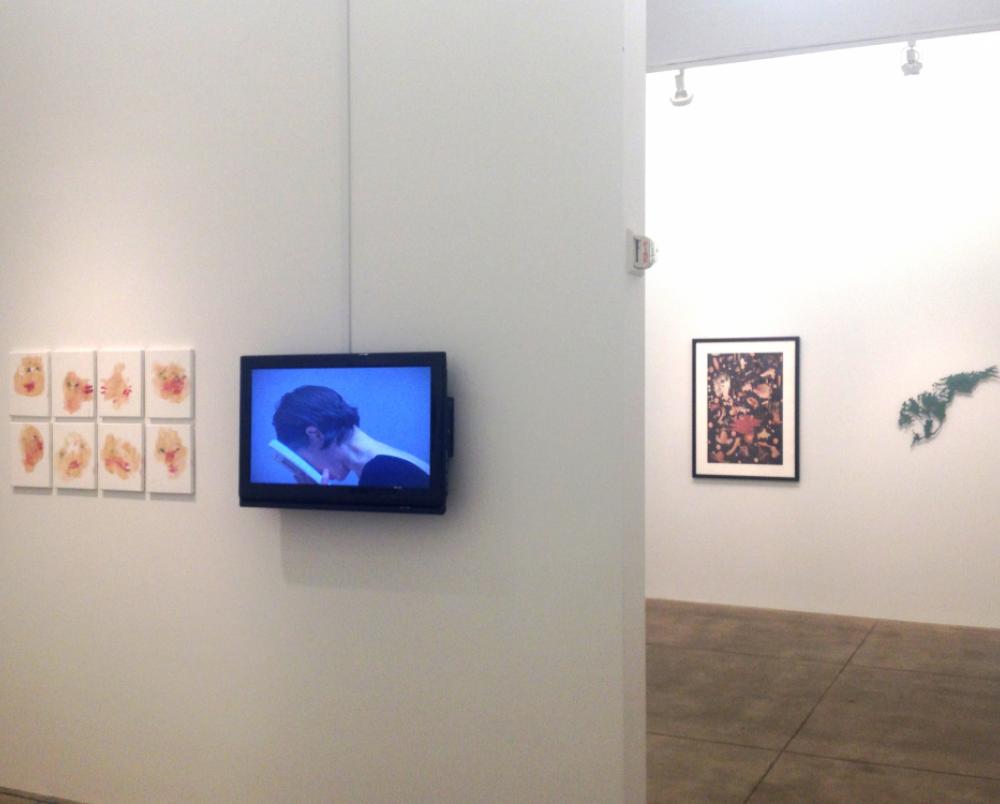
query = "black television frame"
{"x": 431, "y": 500}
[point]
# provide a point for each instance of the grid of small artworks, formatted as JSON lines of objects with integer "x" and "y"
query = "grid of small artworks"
{"x": 117, "y": 420}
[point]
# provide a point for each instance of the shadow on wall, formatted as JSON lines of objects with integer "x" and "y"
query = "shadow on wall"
{"x": 407, "y": 553}
{"x": 29, "y": 492}
{"x": 755, "y": 485}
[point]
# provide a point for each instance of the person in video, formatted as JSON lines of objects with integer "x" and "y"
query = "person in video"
{"x": 323, "y": 429}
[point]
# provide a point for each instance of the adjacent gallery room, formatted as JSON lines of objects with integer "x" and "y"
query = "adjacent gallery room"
{"x": 822, "y": 571}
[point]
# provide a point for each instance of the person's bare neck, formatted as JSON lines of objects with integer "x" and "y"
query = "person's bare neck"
{"x": 359, "y": 448}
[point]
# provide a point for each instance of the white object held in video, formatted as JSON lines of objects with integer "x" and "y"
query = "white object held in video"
{"x": 297, "y": 461}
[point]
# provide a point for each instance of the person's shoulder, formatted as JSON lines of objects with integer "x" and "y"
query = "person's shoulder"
{"x": 387, "y": 470}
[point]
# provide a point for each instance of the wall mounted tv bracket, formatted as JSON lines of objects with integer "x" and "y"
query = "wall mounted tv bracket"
{"x": 449, "y": 435}
{"x": 449, "y": 425}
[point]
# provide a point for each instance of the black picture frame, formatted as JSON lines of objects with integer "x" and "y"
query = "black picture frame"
{"x": 748, "y": 438}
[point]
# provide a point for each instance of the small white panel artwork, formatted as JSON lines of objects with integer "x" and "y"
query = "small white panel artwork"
{"x": 29, "y": 383}
{"x": 119, "y": 459}
{"x": 74, "y": 449}
{"x": 169, "y": 459}
{"x": 119, "y": 383}
{"x": 169, "y": 383}
{"x": 31, "y": 451}
{"x": 74, "y": 384}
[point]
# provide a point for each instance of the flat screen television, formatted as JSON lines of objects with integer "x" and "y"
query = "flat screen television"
{"x": 360, "y": 432}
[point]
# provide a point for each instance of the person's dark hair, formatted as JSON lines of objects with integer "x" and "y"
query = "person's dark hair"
{"x": 314, "y": 406}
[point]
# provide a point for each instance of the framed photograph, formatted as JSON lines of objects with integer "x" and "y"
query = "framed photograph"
{"x": 746, "y": 408}
{"x": 169, "y": 383}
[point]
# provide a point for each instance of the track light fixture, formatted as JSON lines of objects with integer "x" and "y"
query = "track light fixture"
{"x": 681, "y": 96}
{"x": 912, "y": 65}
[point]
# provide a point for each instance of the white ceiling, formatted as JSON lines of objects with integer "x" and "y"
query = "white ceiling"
{"x": 693, "y": 32}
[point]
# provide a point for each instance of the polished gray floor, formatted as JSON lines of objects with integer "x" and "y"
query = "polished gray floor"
{"x": 751, "y": 706}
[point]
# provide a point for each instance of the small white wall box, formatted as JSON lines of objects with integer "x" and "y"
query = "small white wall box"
{"x": 644, "y": 253}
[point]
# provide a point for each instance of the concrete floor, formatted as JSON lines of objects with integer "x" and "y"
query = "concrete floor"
{"x": 756, "y": 706}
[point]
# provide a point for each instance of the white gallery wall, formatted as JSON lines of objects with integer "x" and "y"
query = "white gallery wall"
{"x": 829, "y": 197}
{"x": 490, "y": 205}
{"x": 178, "y": 174}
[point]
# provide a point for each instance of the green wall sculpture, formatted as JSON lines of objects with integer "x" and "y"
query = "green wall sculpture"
{"x": 926, "y": 413}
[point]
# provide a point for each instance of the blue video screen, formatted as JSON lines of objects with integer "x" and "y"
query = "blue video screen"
{"x": 356, "y": 426}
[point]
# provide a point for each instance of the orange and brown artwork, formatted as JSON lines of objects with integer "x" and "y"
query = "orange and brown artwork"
{"x": 170, "y": 451}
{"x": 120, "y": 457}
{"x": 29, "y": 379}
{"x": 745, "y": 423}
{"x": 74, "y": 457}
{"x": 76, "y": 391}
{"x": 171, "y": 382}
{"x": 117, "y": 389}
{"x": 32, "y": 447}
